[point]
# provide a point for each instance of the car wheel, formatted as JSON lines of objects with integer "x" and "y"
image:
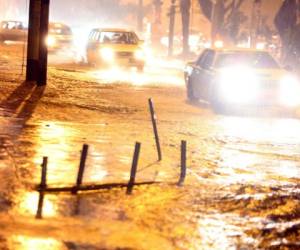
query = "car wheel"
{"x": 190, "y": 92}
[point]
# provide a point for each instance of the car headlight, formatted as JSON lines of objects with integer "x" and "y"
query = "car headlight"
{"x": 139, "y": 55}
{"x": 107, "y": 54}
{"x": 290, "y": 91}
{"x": 188, "y": 70}
{"x": 50, "y": 41}
{"x": 238, "y": 85}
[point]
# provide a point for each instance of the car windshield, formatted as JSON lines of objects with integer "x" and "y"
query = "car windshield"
{"x": 118, "y": 38}
{"x": 251, "y": 59}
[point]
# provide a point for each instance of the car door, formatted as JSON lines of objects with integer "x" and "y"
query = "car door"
{"x": 206, "y": 75}
{"x": 195, "y": 77}
{"x": 202, "y": 75}
{"x": 92, "y": 46}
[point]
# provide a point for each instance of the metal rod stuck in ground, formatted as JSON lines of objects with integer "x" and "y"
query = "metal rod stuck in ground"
{"x": 43, "y": 186}
{"x": 134, "y": 167}
{"x": 155, "y": 130}
{"x": 81, "y": 169}
{"x": 183, "y": 164}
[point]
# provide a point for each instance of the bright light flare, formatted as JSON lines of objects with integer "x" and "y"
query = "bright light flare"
{"x": 29, "y": 202}
{"x": 139, "y": 55}
{"x": 50, "y": 41}
{"x": 107, "y": 54}
{"x": 151, "y": 76}
{"x": 219, "y": 44}
{"x": 238, "y": 85}
{"x": 260, "y": 46}
{"x": 290, "y": 91}
{"x": 21, "y": 242}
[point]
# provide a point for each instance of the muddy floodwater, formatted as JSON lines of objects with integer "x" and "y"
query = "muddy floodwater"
{"x": 241, "y": 189}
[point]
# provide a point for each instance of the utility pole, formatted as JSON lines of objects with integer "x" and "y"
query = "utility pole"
{"x": 32, "y": 68}
{"x": 140, "y": 15}
{"x": 43, "y": 50}
{"x": 171, "y": 27}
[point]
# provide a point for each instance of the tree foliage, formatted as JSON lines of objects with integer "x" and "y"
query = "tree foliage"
{"x": 229, "y": 17}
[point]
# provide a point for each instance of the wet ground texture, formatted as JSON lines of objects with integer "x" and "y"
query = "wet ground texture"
{"x": 242, "y": 188}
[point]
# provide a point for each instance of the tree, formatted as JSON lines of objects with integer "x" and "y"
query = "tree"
{"x": 185, "y": 7}
{"x": 285, "y": 22}
{"x": 156, "y": 26}
{"x": 225, "y": 16}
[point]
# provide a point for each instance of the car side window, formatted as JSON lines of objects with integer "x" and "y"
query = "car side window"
{"x": 208, "y": 60}
{"x": 91, "y": 35}
{"x": 97, "y": 36}
{"x": 94, "y": 36}
{"x": 201, "y": 59}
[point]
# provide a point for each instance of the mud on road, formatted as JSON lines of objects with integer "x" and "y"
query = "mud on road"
{"x": 241, "y": 190}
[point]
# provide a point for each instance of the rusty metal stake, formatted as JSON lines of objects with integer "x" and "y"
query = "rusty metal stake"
{"x": 42, "y": 188}
{"x": 134, "y": 167}
{"x": 153, "y": 119}
{"x": 83, "y": 157}
{"x": 183, "y": 164}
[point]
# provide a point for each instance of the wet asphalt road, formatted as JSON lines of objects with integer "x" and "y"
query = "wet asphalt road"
{"x": 241, "y": 190}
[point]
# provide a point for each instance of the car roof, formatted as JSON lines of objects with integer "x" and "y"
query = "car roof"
{"x": 57, "y": 25}
{"x": 113, "y": 30}
{"x": 11, "y": 21}
{"x": 237, "y": 50}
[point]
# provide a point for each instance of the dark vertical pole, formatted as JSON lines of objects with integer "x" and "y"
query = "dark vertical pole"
{"x": 42, "y": 188}
{"x": 153, "y": 119}
{"x": 43, "y": 56}
{"x": 183, "y": 164}
{"x": 32, "y": 67}
{"x": 140, "y": 15}
{"x": 185, "y": 8}
{"x": 83, "y": 157}
{"x": 134, "y": 167}
{"x": 171, "y": 27}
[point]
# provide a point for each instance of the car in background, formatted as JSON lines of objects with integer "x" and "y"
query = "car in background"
{"x": 13, "y": 31}
{"x": 115, "y": 47}
{"x": 233, "y": 78}
{"x": 59, "y": 37}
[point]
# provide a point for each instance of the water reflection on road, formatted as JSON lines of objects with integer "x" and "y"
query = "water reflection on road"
{"x": 247, "y": 151}
{"x": 249, "y": 156}
{"x": 256, "y": 150}
{"x": 21, "y": 242}
{"x": 242, "y": 151}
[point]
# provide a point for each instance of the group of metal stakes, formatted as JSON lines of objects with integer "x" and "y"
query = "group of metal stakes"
{"x": 79, "y": 186}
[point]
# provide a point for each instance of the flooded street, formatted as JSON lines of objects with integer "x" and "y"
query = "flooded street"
{"x": 241, "y": 190}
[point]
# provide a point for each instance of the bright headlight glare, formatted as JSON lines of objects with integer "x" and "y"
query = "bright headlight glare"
{"x": 188, "y": 69}
{"x": 107, "y": 54}
{"x": 50, "y": 41}
{"x": 139, "y": 54}
{"x": 238, "y": 85}
{"x": 290, "y": 91}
